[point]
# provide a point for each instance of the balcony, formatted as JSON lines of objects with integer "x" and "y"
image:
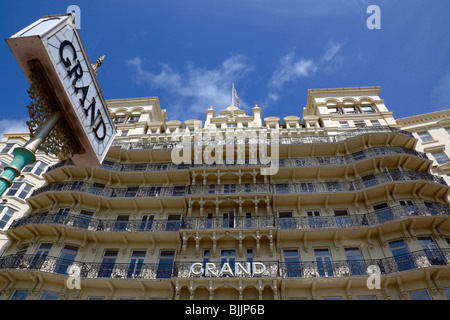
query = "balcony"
{"x": 292, "y": 162}
{"x": 128, "y": 192}
{"x": 301, "y": 140}
{"x": 236, "y": 222}
{"x": 273, "y": 269}
{"x": 98, "y": 225}
{"x": 349, "y": 268}
{"x": 246, "y": 188}
{"x": 363, "y": 220}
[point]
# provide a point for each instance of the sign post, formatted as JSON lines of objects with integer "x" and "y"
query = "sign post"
{"x": 69, "y": 117}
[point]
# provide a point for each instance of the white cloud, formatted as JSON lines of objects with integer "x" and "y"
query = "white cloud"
{"x": 332, "y": 50}
{"x": 290, "y": 69}
{"x": 194, "y": 89}
{"x": 13, "y": 126}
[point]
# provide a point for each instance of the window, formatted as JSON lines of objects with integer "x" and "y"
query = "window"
{"x": 154, "y": 191}
{"x": 136, "y": 263}
{"x": 228, "y": 220}
{"x": 292, "y": 265}
{"x": 419, "y": 295}
{"x": 36, "y": 168}
{"x": 401, "y": 255}
{"x": 9, "y": 147}
{"x": 49, "y": 295}
{"x": 359, "y": 123}
{"x": 83, "y": 219}
{"x": 61, "y": 215}
{"x": 431, "y": 208}
{"x": 409, "y": 208}
{"x": 121, "y": 222}
{"x": 166, "y": 258}
{"x": 425, "y": 136}
{"x": 131, "y": 191}
{"x": 209, "y": 220}
{"x": 232, "y": 125}
{"x": 314, "y": 219}
{"x": 285, "y": 220}
{"x": 228, "y": 256}
{"x": 124, "y": 133}
{"x": 133, "y": 118}
{"x": 119, "y": 119}
{"x": 6, "y": 212}
{"x": 248, "y": 220}
{"x": 108, "y": 262}
{"x": 206, "y": 256}
{"x": 41, "y": 255}
{"x": 431, "y": 250}
{"x": 179, "y": 191}
{"x": 229, "y": 188}
{"x": 173, "y": 222}
{"x": 367, "y": 109}
{"x": 97, "y": 188}
{"x": 249, "y": 255}
{"x": 383, "y": 212}
{"x": 440, "y": 157}
{"x": 66, "y": 258}
{"x": 147, "y": 221}
{"x": 344, "y": 124}
{"x": 350, "y": 110}
{"x": 334, "y": 110}
{"x": 324, "y": 264}
{"x": 355, "y": 261}
{"x": 19, "y": 189}
{"x": 19, "y": 295}
{"x": 375, "y": 123}
{"x": 342, "y": 218}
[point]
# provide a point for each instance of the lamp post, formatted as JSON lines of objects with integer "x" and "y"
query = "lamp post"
{"x": 24, "y": 156}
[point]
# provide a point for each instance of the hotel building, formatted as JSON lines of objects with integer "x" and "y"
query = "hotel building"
{"x": 345, "y": 202}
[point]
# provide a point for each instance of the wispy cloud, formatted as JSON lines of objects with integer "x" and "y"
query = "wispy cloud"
{"x": 191, "y": 91}
{"x": 332, "y": 50}
{"x": 331, "y": 59}
{"x": 291, "y": 69}
{"x": 13, "y": 126}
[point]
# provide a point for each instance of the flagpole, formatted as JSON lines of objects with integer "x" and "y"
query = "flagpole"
{"x": 232, "y": 94}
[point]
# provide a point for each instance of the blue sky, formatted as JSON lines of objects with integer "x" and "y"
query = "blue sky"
{"x": 188, "y": 53}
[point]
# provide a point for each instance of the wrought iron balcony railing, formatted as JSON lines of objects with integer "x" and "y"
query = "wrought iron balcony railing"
{"x": 246, "y": 188}
{"x": 272, "y": 269}
{"x": 93, "y": 224}
{"x": 292, "y": 162}
{"x": 348, "y": 268}
{"x": 236, "y": 222}
{"x": 303, "y": 139}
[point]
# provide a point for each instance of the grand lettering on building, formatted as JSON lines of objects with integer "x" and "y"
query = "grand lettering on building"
{"x": 236, "y": 269}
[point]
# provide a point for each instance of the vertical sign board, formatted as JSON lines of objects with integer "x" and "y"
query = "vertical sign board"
{"x": 57, "y": 45}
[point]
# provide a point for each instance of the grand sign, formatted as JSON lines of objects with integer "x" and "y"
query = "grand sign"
{"x": 56, "y": 44}
{"x": 237, "y": 269}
